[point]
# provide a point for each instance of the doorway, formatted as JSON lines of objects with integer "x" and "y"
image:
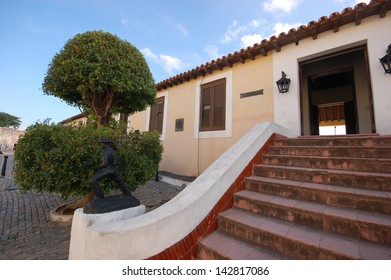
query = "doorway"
{"x": 332, "y": 101}
{"x": 336, "y": 93}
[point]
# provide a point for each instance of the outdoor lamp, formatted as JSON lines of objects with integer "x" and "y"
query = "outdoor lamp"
{"x": 283, "y": 83}
{"x": 386, "y": 61}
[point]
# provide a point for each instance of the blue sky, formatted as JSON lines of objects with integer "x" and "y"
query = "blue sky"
{"x": 174, "y": 36}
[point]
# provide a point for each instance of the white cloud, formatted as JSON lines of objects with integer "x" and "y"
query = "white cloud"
{"x": 149, "y": 54}
{"x": 125, "y": 22}
{"x": 255, "y": 23}
{"x": 232, "y": 32}
{"x": 250, "y": 39}
{"x": 284, "y": 5}
{"x": 235, "y": 30}
{"x": 280, "y": 27}
{"x": 183, "y": 30}
{"x": 168, "y": 62}
{"x": 352, "y": 3}
{"x": 212, "y": 51}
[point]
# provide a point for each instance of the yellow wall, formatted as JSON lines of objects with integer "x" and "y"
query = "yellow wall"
{"x": 185, "y": 152}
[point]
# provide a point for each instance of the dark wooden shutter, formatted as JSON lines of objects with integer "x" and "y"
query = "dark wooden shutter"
{"x": 157, "y": 116}
{"x": 212, "y": 109}
{"x": 152, "y": 118}
{"x": 219, "y": 107}
{"x": 160, "y": 115}
{"x": 124, "y": 118}
{"x": 205, "y": 107}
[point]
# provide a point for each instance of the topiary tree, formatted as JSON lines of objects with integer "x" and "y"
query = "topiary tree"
{"x": 101, "y": 73}
{"x": 61, "y": 159}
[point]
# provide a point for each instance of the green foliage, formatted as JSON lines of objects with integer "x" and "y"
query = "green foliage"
{"x": 99, "y": 71}
{"x": 7, "y": 120}
{"x": 62, "y": 159}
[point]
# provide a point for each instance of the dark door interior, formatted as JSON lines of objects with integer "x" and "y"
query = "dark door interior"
{"x": 332, "y": 100}
{"x": 350, "y": 117}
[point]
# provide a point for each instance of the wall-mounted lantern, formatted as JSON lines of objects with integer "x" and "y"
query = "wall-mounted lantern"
{"x": 386, "y": 61}
{"x": 283, "y": 83}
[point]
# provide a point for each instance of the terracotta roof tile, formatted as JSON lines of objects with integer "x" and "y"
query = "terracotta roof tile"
{"x": 325, "y": 23}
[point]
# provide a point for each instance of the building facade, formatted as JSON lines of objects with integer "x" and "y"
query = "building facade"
{"x": 336, "y": 80}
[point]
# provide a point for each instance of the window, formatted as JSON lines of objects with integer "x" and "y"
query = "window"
{"x": 212, "y": 109}
{"x": 225, "y": 78}
{"x": 157, "y": 115}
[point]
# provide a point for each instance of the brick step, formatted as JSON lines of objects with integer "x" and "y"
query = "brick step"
{"x": 357, "y": 179}
{"x": 296, "y": 241}
{"x": 363, "y": 141}
{"x": 341, "y": 163}
{"x": 346, "y": 197}
{"x": 219, "y": 246}
{"x": 340, "y": 151}
{"x": 373, "y": 227}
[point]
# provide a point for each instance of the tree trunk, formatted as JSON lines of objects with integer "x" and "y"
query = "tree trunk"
{"x": 101, "y": 105}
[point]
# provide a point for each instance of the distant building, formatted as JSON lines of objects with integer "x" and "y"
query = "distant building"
{"x": 75, "y": 119}
{"x": 8, "y": 138}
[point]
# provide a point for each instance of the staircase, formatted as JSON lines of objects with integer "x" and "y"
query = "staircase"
{"x": 311, "y": 198}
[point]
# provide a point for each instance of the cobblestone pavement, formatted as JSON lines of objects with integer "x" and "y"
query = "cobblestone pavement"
{"x": 26, "y": 233}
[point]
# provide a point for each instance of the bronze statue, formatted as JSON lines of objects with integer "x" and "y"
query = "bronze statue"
{"x": 100, "y": 204}
{"x": 108, "y": 170}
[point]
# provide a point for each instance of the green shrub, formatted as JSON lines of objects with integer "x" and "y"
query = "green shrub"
{"x": 62, "y": 159}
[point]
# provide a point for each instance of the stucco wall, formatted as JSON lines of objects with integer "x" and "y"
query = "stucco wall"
{"x": 190, "y": 152}
{"x": 287, "y": 106}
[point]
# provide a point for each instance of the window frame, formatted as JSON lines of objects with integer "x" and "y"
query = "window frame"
{"x": 154, "y": 115}
{"x": 165, "y": 110}
{"x": 227, "y": 132}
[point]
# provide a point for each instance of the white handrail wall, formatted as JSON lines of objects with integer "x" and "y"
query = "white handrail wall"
{"x": 147, "y": 235}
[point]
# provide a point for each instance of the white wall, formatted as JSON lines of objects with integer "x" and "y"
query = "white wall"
{"x": 372, "y": 30}
{"x": 118, "y": 236}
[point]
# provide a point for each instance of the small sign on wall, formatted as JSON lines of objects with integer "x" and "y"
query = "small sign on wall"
{"x": 179, "y": 123}
{"x": 251, "y": 93}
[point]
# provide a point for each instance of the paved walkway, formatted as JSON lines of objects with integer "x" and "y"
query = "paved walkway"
{"x": 26, "y": 233}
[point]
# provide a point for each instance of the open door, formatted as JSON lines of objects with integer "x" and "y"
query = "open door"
{"x": 336, "y": 93}
{"x": 332, "y": 101}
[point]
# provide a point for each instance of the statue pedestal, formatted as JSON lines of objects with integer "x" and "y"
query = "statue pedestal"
{"x": 110, "y": 204}
{"x": 80, "y": 234}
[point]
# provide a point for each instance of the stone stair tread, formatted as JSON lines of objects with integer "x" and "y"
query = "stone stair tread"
{"x": 335, "y": 138}
{"x": 332, "y": 147}
{"x": 385, "y": 160}
{"x": 368, "y": 164}
{"x": 322, "y": 187}
{"x": 326, "y": 170}
{"x": 318, "y": 208}
{"x": 233, "y": 248}
{"x": 347, "y": 247}
{"x": 345, "y": 136}
{"x": 311, "y": 198}
{"x": 333, "y": 151}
